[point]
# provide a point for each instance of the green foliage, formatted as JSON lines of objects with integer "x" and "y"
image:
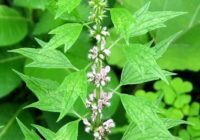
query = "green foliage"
{"x": 67, "y": 132}
{"x": 145, "y": 122}
{"x": 46, "y": 133}
{"x": 66, "y": 35}
{"x": 123, "y": 21}
{"x": 177, "y": 104}
{"x": 29, "y": 135}
{"x": 141, "y": 64}
{"x": 10, "y": 128}
{"x": 54, "y": 59}
{"x": 65, "y": 95}
{"x": 43, "y": 26}
{"x": 13, "y": 27}
{"x": 38, "y": 4}
{"x": 9, "y": 80}
{"x": 66, "y": 5}
{"x": 58, "y": 78}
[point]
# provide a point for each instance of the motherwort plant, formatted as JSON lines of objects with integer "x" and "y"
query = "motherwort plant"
{"x": 69, "y": 96}
{"x": 99, "y": 74}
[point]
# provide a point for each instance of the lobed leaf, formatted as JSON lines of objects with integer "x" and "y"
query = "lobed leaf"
{"x": 46, "y": 133}
{"x": 29, "y": 135}
{"x": 150, "y": 21}
{"x": 66, "y": 35}
{"x": 123, "y": 21}
{"x": 74, "y": 86}
{"x": 45, "y": 58}
{"x": 43, "y": 89}
{"x": 141, "y": 65}
{"x": 68, "y": 131}
{"x": 143, "y": 114}
{"x": 66, "y": 6}
{"x": 134, "y": 133}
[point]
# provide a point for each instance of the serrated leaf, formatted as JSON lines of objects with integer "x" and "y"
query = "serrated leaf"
{"x": 152, "y": 20}
{"x": 68, "y": 131}
{"x": 45, "y": 58}
{"x": 66, "y": 35}
{"x": 143, "y": 10}
{"x": 13, "y": 27}
{"x": 74, "y": 86}
{"x": 143, "y": 114}
{"x": 130, "y": 75}
{"x": 161, "y": 47}
{"x": 134, "y": 133}
{"x": 9, "y": 112}
{"x": 29, "y": 135}
{"x": 141, "y": 65}
{"x": 43, "y": 89}
{"x": 123, "y": 21}
{"x": 46, "y": 133}
{"x": 66, "y": 5}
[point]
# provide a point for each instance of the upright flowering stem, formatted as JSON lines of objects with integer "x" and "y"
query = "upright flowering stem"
{"x": 98, "y": 99}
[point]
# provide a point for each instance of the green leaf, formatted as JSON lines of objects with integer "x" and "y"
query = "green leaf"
{"x": 162, "y": 46}
{"x": 123, "y": 21}
{"x": 66, "y": 5}
{"x": 74, "y": 86}
{"x": 66, "y": 35}
{"x": 9, "y": 112}
{"x": 38, "y": 4}
{"x": 45, "y": 58}
{"x": 134, "y": 133}
{"x": 182, "y": 100}
{"x": 187, "y": 21}
{"x": 173, "y": 113}
{"x": 170, "y": 123}
{"x": 9, "y": 81}
{"x": 13, "y": 27}
{"x": 29, "y": 135}
{"x": 187, "y": 48}
{"x": 46, "y": 133}
{"x": 184, "y": 134}
{"x": 130, "y": 75}
{"x": 143, "y": 114}
{"x": 68, "y": 131}
{"x": 60, "y": 98}
{"x": 194, "y": 109}
{"x": 150, "y": 21}
{"x": 43, "y": 89}
{"x": 46, "y": 23}
{"x": 141, "y": 65}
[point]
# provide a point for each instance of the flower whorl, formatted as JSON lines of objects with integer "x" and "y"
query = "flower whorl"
{"x": 99, "y": 74}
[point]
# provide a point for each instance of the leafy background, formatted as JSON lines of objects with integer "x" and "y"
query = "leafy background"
{"x": 23, "y": 20}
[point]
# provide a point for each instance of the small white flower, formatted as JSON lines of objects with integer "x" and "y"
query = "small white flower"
{"x": 108, "y": 125}
{"x": 88, "y": 126}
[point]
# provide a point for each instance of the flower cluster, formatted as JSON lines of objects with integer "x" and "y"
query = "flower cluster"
{"x": 101, "y": 131}
{"x": 99, "y": 75}
{"x": 100, "y": 78}
{"x": 98, "y": 10}
{"x": 97, "y": 104}
{"x": 100, "y": 53}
